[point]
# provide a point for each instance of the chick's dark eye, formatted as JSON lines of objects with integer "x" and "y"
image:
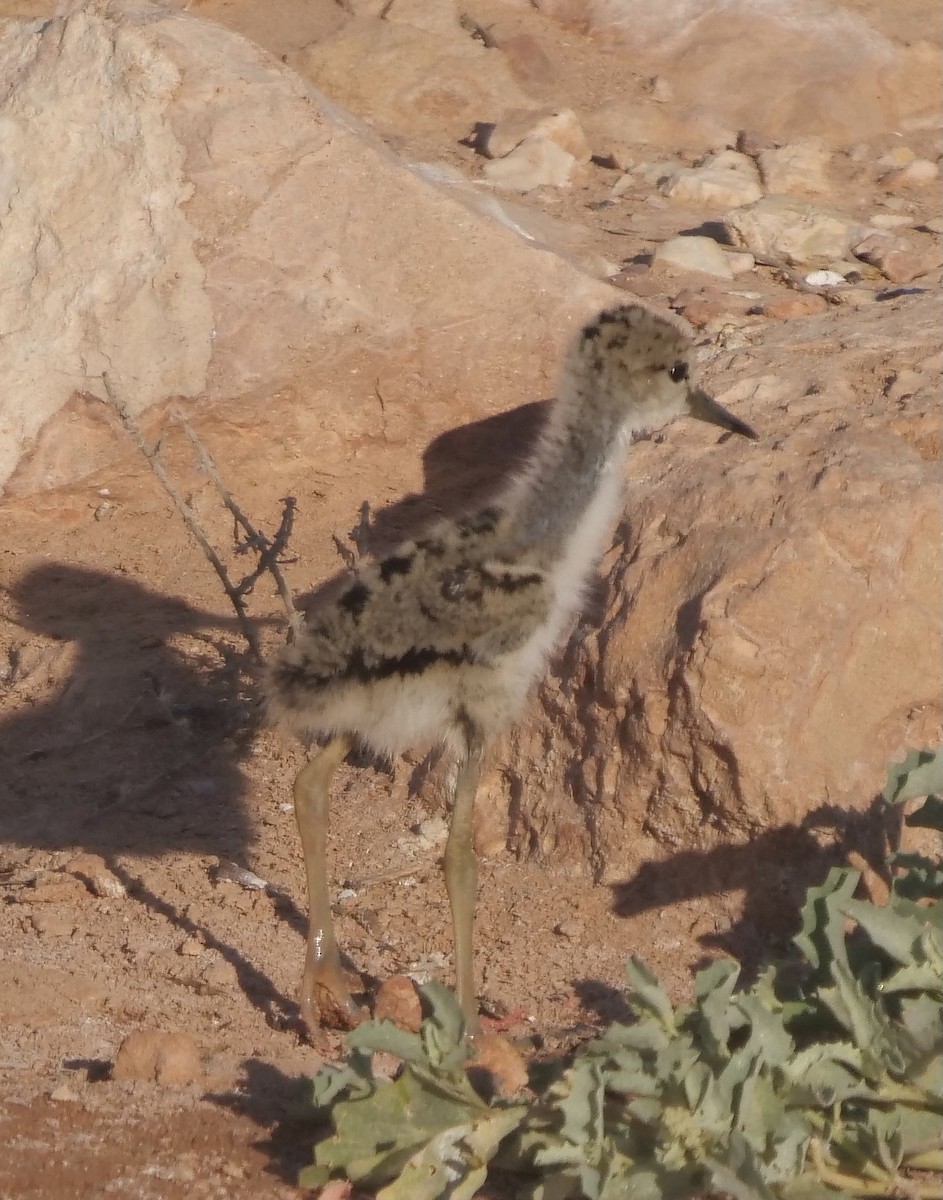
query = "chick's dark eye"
{"x": 678, "y": 372}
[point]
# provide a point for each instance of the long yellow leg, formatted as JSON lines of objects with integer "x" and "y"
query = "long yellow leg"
{"x": 324, "y": 989}
{"x": 461, "y": 880}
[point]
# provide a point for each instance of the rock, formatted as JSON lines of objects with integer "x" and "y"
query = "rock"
{"x": 890, "y": 221}
{"x": 492, "y": 817}
{"x": 56, "y": 888}
{"x": 799, "y": 304}
{"x": 627, "y": 129}
{"x": 498, "y": 1067}
{"x": 153, "y": 1055}
{"x": 741, "y": 262}
{"x": 690, "y": 730}
{"x": 660, "y": 90}
{"x": 751, "y": 141}
{"x": 397, "y": 1000}
{"x": 419, "y": 80}
{"x": 900, "y": 156}
{"x": 238, "y": 173}
{"x": 905, "y": 383}
{"x": 897, "y": 260}
{"x": 794, "y": 230}
{"x": 432, "y": 832}
{"x": 713, "y": 186}
{"x": 693, "y": 254}
{"x": 91, "y": 869}
{"x": 559, "y": 125}
{"x": 639, "y": 279}
{"x": 54, "y": 924}
{"x": 100, "y": 267}
{"x": 919, "y": 173}
{"x": 529, "y": 60}
{"x": 812, "y": 70}
{"x": 536, "y": 162}
{"x": 220, "y": 975}
{"x": 709, "y": 306}
{"x": 796, "y": 167}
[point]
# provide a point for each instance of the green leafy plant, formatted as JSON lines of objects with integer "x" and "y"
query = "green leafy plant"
{"x": 824, "y": 1079}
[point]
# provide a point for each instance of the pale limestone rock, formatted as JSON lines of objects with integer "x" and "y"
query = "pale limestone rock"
{"x": 693, "y": 254}
{"x": 751, "y": 674}
{"x": 205, "y": 243}
{"x": 99, "y": 263}
{"x": 796, "y": 168}
{"x": 890, "y": 221}
{"x": 795, "y": 230}
{"x": 536, "y": 162}
{"x": 713, "y": 187}
{"x": 802, "y": 69}
{"x": 405, "y": 78}
{"x": 919, "y": 173}
{"x": 900, "y": 156}
{"x": 625, "y": 127}
{"x": 661, "y": 90}
{"x": 741, "y": 262}
{"x": 559, "y": 125}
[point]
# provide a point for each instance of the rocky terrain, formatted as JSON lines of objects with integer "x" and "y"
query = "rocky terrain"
{"x": 345, "y": 241}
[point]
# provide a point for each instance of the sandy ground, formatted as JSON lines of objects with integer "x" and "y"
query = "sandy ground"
{"x": 128, "y": 731}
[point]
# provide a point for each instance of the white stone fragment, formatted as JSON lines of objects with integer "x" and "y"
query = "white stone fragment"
{"x": 824, "y": 278}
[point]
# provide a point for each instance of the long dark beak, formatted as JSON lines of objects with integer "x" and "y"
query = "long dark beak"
{"x": 706, "y": 408}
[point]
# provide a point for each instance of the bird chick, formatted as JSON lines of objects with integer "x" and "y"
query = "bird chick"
{"x": 440, "y": 641}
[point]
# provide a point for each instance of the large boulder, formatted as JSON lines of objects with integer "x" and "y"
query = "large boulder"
{"x": 767, "y": 636}
{"x": 201, "y": 223}
{"x": 840, "y": 71}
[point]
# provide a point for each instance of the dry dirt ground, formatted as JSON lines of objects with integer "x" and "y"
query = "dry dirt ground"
{"x": 128, "y": 732}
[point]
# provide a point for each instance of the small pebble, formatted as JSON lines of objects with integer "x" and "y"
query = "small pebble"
{"x": 191, "y": 947}
{"x": 498, "y": 1066}
{"x": 783, "y": 308}
{"x": 94, "y": 872}
{"x": 397, "y": 1000}
{"x": 220, "y": 974}
{"x": 151, "y": 1054}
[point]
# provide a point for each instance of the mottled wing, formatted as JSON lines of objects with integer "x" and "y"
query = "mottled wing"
{"x": 432, "y": 601}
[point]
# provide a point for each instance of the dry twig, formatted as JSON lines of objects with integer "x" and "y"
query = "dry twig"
{"x": 269, "y": 551}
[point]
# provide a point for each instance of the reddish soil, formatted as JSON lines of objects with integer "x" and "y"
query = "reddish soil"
{"x": 128, "y": 731}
